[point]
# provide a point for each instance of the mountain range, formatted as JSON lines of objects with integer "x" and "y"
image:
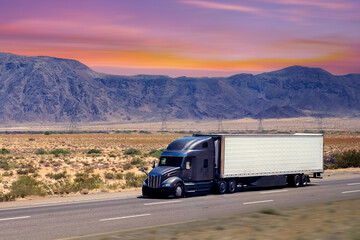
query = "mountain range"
{"x": 48, "y": 89}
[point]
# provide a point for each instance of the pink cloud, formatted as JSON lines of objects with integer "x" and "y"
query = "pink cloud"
{"x": 221, "y": 6}
{"x": 316, "y": 3}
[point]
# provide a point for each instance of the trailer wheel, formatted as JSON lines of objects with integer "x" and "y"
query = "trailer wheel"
{"x": 232, "y": 186}
{"x": 179, "y": 190}
{"x": 221, "y": 187}
{"x": 296, "y": 180}
{"x": 304, "y": 180}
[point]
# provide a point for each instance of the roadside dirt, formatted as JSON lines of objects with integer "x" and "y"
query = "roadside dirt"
{"x": 333, "y": 220}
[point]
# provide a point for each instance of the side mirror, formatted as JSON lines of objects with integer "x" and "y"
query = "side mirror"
{"x": 143, "y": 170}
{"x": 153, "y": 164}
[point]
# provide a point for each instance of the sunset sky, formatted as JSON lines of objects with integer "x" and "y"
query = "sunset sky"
{"x": 186, "y": 37}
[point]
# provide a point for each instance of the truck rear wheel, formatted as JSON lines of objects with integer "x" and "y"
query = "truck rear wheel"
{"x": 179, "y": 190}
{"x": 221, "y": 187}
{"x": 296, "y": 180}
{"x": 304, "y": 180}
{"x": 232, "y": 186}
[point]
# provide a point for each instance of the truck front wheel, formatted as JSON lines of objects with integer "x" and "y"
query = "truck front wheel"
{"x": 221, "y": 187}
{"x": 179, "y": 190}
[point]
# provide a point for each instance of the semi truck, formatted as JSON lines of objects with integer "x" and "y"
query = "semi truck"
{"x": 226, "y": 163}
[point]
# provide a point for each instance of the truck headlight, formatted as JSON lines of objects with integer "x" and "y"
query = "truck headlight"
{"x": 166, "y": 185}
{"x": 144, "y": 184}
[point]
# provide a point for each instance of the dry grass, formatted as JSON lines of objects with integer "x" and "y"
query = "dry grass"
{"x": 23, "y": 149}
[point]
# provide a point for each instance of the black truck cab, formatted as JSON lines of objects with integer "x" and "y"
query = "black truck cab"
{"x": 186, "y": 166}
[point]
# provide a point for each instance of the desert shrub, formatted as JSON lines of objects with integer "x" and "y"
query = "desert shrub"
{"x": 127, "y": 166}
{"x": 139, "y": 162}
{"x": 85, "y": 180}
{"x": 136, "y": 161}
{"x": 113, "y": 186}
{"x": 112, "y": 155}
{"x": 59, "y": 151}
{"x": 57, "y": 176}
{"x": 119, "y": 176}
{"x": 36, "y": 175}
{"x": 132, "y": 152}
{"x": 61, "y": 187}
{"x": 47, "y": 133}
{"x": 109, "y": 175}
{"x": 6, "y": 165}
{"x": 31, "y": 139}
{"x": 350, "y": 158}
{"x": 41, "y": 151}
{"x": 308, "y": 131}
{"x": 23, "y": 171}
{"x": 7, "y": 197}
{"x": 156, "y": 153}
{"x": 26, "y": 185}
{"x": 144, "y": 132}
{"x": 94, "y": 151}
{"x": 133, "y": 180}
{"x": 7, "y": 174}
{"x": 126, "y": 131}
{"x": 4, "y": 151}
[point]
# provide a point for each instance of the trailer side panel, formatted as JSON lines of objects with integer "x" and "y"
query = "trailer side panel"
{"x": 266, "y": 155}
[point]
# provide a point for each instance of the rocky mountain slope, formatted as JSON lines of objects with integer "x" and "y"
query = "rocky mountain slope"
{"x": 47, "y": 89}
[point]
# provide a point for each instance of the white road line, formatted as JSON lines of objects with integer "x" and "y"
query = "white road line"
{"x": 351, "y": 184}
{"x": 156, "y": 203}
{"x": 351, "y": 191}
{"x": 277, "y": 191}
{"x": 14, "y": 218}
{"x": 264, "y": 201}
{"x": 117, "y": 218}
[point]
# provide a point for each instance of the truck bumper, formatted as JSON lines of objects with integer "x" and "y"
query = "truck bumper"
{"x": 158, "y": 192}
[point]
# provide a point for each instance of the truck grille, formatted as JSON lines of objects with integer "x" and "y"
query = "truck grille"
{"x": 154, "y": 181}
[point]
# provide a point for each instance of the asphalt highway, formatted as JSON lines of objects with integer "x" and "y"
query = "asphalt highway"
{"x": 64, "y": 220}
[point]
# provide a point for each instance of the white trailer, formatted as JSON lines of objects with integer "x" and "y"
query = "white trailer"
{"x": 268, "y": 155}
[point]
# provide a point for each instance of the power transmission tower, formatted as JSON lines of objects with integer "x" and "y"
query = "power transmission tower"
{"x": 220, "y": 124}
{"x": 260, "y": 127}
{"x": 73, "y": 117}
{"x": 320, "y": 123}
{"x": 163, "y": 115}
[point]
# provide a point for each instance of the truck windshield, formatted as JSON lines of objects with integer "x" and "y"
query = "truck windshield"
{"x": 170, "y": 161}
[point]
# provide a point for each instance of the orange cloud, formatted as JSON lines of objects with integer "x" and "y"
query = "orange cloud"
{"x": 146, "y": 59}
